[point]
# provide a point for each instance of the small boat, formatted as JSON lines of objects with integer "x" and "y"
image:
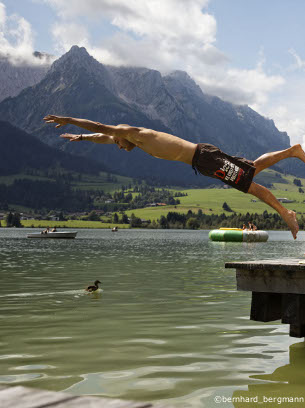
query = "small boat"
{"x": 238, "y": 235}
{"x": 115, "y": 229}
{"x": 56, "y": 235}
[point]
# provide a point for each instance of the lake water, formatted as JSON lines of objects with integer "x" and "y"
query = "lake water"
{"x": 169, "y": 325}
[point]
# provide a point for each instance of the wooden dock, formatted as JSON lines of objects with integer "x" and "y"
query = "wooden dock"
{"x": 278, "y": 291}
{"x": 24, "y": 397}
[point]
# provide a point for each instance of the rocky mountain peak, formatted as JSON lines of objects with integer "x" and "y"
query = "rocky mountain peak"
{"x": 180, "y": 81}
{"x": 77, "y": 62}
{"x": 75, "y": 57}
{"x": 136, "y": 85}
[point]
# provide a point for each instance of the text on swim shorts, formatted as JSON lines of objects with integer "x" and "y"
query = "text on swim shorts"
{"x": 229, "y": 171}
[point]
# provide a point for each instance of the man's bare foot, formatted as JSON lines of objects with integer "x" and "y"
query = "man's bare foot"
{"x": 291, "y": 220}
{"x": 298, "y": 152}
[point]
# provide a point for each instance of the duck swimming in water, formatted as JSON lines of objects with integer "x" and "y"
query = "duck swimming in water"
{"x": 94, "y": 287}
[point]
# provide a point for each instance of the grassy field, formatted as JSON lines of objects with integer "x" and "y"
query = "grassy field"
{"x": 101, "y": 183}
{"x": 210, "y": 201}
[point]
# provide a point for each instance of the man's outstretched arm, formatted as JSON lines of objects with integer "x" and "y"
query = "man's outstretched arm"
{"x": 94, "y": 137}
{"x": 100, "y": 138}
{"x": 119, "y": 130}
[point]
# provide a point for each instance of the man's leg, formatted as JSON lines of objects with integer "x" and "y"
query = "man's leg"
{"x": 269, "y": 159}
{"x": 265, "y": 195}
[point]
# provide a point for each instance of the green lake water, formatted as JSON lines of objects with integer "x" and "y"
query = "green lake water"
{"x": 168, "y": 326}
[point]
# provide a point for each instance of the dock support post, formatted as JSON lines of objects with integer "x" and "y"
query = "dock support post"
{"x": 266, "y": 307}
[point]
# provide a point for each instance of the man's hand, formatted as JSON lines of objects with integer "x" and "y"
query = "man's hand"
{"x": 61, "y": 120}
{"x": 72, "y": 138}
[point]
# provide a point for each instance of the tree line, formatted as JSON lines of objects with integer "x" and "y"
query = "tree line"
{"x": 199, "y": 220}
{"x": 190, "y": 220}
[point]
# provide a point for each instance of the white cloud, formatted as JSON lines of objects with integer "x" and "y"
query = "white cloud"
{"x": 241, "y": 86}
{"x": 287, "y": 120}
{"x": 299, "y": 63}
{"x": 169, "y": 30}
{"x": 2, "y": 15}
{"x": 16, "y": 39}
{"x": 287, "y": 109}
{"x": 282, "y": 116}
{"x": 68, "y": 34}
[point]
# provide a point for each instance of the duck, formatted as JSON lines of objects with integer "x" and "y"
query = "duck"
{"x": 94, "y": 287}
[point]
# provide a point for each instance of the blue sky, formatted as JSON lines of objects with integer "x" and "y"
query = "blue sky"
{"x": 244, "y": 26}
{"x": 244, "y": 51}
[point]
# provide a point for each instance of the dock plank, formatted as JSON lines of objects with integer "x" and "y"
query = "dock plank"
{"x": 277, "y": 276}
{"x": 286, "y": 264}
{"x": 259, "y": 280}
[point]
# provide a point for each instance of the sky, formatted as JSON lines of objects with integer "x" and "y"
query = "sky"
{"x": 248, "y": 52}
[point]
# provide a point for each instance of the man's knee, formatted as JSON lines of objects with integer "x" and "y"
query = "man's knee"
{"x": 257, "y": 189}
{"x": 252, "y": 188}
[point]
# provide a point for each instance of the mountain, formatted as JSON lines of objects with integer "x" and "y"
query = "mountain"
{"x": 79, "y": 86}
{"x": 21, "y": 151}
{"x": 14, "y": 77}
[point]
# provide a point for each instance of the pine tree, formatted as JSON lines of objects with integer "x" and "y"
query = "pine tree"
{"x": 9, "y": 219}
{"x": 13, "y": 220}
{"x": 163, "y": 222}
{"x": 125, "y": 219}
{"x": 16, "y": 220}
{"x": 226, "y": 207}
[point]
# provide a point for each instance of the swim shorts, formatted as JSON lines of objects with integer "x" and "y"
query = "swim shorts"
{"x": 235, "y": 171}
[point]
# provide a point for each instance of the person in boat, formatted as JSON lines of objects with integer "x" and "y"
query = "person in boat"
{"x": 205, "y": 158}
{"x": 54, "y": 229}
{"x": 46, "y": 231}
{"x": 244, "y": 227}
